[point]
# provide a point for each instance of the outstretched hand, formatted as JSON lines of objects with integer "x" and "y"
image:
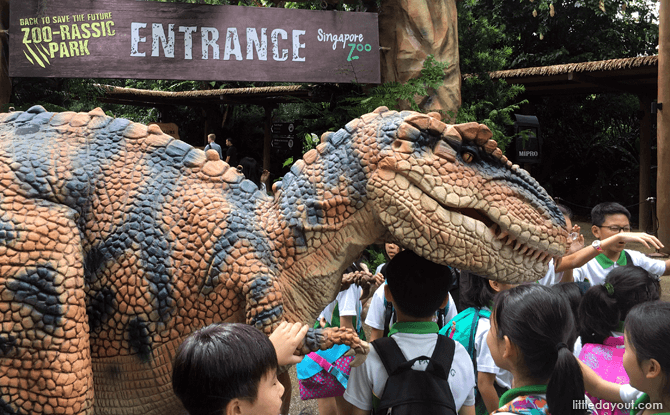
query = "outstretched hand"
{"x": 650, "y": 241}
{"x": 286, "y": 339}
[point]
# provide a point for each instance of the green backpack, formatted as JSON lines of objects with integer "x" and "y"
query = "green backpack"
{"x": 463, "y": 328}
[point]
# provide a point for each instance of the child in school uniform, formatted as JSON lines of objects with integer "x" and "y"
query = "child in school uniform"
{"x": 231, "y": 368}
{"x": 531, "y": 326}
{"x": 417, "y": 288}
{"x": 492, "y": 381}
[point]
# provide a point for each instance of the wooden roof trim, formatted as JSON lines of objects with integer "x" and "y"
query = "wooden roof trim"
{"x": 606, "y": 65}
{"x": 110, "y": 90}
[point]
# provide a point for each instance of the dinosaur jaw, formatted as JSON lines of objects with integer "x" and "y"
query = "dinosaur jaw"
{"x": 478, "y": 235}
{"x": 520, "y": 249}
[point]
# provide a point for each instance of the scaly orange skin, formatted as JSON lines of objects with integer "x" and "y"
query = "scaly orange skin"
{"x": 117, "y": 242}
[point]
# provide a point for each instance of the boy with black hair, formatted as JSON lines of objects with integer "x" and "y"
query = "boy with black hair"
{"x": 231, "y": 368}
{"x": 609, "y": 219}
{"x": 417, "y": 288}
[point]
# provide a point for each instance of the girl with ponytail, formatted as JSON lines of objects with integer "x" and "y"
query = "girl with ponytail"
{"x": 531, "y": 327}
{"x": 605, "y": 306}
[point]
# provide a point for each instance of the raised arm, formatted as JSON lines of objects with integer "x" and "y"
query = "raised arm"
{"x": 582, "y": 256}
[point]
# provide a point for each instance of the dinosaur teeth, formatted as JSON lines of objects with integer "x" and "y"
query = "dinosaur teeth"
{"x": 518, "y": 245}
{"x": 536, "y": 254}
{"x": 502, "y": 235}
{"x": 530, "y": 252}
{"x": 544, "y": 256}
{"x": 509, "y": 240}
{"x": 523, "y": 250}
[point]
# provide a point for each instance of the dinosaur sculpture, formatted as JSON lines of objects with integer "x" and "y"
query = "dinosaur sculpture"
{"x": 117, "y": 241}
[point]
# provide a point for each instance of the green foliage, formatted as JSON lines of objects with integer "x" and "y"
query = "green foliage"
{"x": 482, "y": 50}
{"x": 390, "y": 94}
{"x": 374, "y": 256}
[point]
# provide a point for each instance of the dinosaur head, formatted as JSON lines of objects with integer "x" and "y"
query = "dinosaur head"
{"x": 448, "y": 193}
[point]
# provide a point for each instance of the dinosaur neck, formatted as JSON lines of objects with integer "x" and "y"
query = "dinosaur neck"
{"x": 324, "y": 205}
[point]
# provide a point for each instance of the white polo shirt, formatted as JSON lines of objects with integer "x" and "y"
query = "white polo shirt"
{"x": 370, "y": 378}
{"x": 597, "y": 269}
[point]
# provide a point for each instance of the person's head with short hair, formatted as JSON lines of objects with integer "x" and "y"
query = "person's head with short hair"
{"x": 418, "y": 287}
{"x": 229, "y": 142}
{"x": 226, "y": 367}
{"x": 608, "y": 219}
{"x": 211, "y": 138}
{"x": 601, "y": 211}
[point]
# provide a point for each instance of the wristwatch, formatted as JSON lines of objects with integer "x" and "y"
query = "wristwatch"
{"x": 596, "y": 245}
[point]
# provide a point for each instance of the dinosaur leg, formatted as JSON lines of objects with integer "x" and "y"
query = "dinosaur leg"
{"x": 265, "y": 310}
{"x": 45, "y": 363}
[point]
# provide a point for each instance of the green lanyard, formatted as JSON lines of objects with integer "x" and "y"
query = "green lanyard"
{"x": 414, "y": 327}
{"x": 511, "y": 394}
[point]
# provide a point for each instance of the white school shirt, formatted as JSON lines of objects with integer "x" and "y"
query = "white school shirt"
{"x": 370, "y": 378}
{"x": 348, "y": 304}
{"x": 375, "y": 317}
{"x": 485, "y": 361}
{"x": 551, "y": 277}
{"x": 630, "y": 395}
{"x": 595, "y": 272}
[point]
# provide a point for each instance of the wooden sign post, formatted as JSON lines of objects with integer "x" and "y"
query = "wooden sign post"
{"x": 150, "y": 40}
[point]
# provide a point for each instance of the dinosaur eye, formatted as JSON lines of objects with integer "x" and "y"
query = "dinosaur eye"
{"x": 468, "y": 156}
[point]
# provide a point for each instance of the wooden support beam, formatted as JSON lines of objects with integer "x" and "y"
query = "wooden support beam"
{"x": 645, "y": 165}
{"x": 663, "y": 126}
{"x": 5, "y": 82}
{"x": 267, "y": 141}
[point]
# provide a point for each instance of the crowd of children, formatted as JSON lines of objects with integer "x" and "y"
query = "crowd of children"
{"x": 579, "y": 342}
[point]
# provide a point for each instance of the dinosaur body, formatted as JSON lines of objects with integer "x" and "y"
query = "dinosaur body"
{"x": 117, "y": 241}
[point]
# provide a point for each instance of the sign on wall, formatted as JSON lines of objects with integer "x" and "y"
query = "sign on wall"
{"x": 152, "y": 40}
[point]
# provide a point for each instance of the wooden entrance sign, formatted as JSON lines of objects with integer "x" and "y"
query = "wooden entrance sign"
{"x": 151, "y": 40}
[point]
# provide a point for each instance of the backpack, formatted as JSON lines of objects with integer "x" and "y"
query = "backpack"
{"x": 408, "y": 391}
{"x": 463, "y": 329}
{"x": 607, "y": 361}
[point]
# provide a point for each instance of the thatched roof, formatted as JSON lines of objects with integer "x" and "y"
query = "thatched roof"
{"x": 256, "y": 95}
{"x": 598, "y": 66}
{"x": 635, "y": 75}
